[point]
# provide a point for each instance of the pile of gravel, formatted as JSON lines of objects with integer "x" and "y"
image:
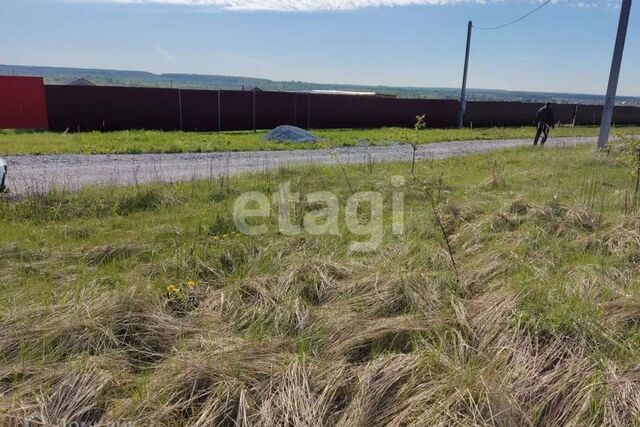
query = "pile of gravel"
{"x": 290, "y": 134}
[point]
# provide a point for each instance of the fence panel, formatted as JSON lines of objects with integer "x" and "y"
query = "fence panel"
{"x": 236, "y": 110}
{"x": 275, "y": 109}
{"x": 344, "y": 111}
{"x": 302, "y": 112}
{"x": 22, "y": 103}
{"x": 626, "y": 115}
{"x": 440, "y": 113}
{"x": 86, "y": 108}
{"x": 489, "y": 113}
{"x": 199, "y": 110}
{"x": 589, "y": 115}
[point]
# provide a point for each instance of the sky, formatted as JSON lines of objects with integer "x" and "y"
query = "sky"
{"x": 564, "y": 47}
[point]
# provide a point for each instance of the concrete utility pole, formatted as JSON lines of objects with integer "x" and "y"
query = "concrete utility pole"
{"x": 463, "y": 105}
{"x": 610, "y": 100}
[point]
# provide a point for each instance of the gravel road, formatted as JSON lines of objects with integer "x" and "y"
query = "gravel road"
{"x": 28, "y": 174}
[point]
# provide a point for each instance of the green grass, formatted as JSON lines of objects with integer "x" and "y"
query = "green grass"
{"x": 539, "y": 324}
{"x": 134, "y": 142}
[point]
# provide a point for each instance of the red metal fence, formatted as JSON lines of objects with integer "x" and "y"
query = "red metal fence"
{"x": 25, "y": 102}
{"x": 486, "y": 114}
{"x": 22, "y": 103}
{"x": 84, "y": 108}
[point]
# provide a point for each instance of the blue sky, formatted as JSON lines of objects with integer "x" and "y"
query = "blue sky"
{"x": 565, "y": 47}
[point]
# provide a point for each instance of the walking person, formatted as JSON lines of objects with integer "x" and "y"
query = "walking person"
{"x": 545, "y": 120}
{"x": 3, "y": 175}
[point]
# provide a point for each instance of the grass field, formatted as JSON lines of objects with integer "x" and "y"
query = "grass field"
{"x": 134, "y": 142}
{"x": 144, "y": 304}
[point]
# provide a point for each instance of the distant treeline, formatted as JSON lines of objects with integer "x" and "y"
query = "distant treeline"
{"x": 58, "y": 75}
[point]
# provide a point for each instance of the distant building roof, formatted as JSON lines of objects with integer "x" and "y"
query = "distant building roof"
{"x": 81, "y": 82}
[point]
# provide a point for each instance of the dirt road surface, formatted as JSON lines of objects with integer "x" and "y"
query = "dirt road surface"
{"x": 29, "y": 174}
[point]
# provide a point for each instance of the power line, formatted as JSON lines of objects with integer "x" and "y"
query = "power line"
{"x": 546, "y": 3}
{"x": 466, "y": 58}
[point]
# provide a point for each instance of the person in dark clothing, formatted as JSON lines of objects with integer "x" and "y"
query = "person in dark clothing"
{"x": 3, "y": 175}
{"x": 545, "y": 120}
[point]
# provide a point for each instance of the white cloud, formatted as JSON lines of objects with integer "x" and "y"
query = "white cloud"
{"x": 165, "y": 54}
{"x": 313, "y": 5}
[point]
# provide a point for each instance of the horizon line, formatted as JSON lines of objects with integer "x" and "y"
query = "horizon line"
{"x": 314, "y": 83}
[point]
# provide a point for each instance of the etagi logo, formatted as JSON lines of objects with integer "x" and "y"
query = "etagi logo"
{"x": 363, "y": 214}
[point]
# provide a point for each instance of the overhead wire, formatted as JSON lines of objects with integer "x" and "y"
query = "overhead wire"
{"x": 546, "y": 3}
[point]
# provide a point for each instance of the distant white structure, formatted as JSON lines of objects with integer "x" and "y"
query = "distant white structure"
{"x": 345, "y": 92}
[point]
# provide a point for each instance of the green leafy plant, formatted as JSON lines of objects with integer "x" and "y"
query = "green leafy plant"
{"x": 413, "y": 138}
{"x": 420, "y": 125}
{"x": 333, "y": 153}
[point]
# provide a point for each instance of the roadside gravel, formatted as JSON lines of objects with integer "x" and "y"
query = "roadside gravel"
{"x": 28, "y": 174}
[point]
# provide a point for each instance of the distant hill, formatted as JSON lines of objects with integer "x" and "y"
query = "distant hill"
{"x": 57, "y": 75}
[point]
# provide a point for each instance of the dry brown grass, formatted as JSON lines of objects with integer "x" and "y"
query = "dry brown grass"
{"x": 90, "y": 324}
{"x": 62, "y": 394}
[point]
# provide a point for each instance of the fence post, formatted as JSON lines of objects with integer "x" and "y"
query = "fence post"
{"x": 295, "y": 109}
{"x": 180, "y": 106}
{"x": 309, "y": 112}
{"x": 254, "y": 110}
{"x": 219, "y": 113}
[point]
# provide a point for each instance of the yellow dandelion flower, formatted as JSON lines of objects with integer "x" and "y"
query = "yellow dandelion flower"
{"x": 191, "y": 284}
{"x": 172, "y": 289}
